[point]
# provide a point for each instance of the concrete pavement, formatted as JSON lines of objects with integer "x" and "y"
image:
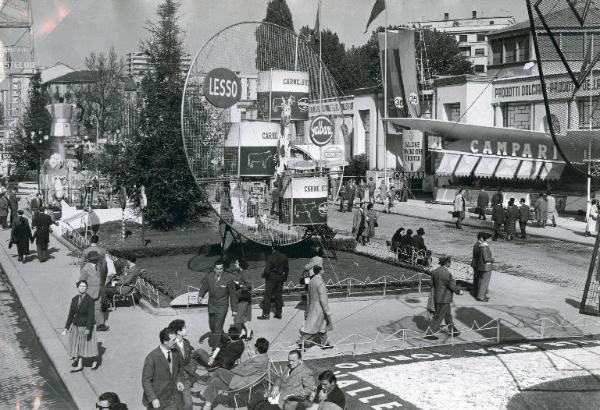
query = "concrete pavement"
{"x": 526, "y": 308}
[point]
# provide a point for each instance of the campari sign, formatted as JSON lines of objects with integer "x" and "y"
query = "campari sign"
{"x": 222, "y": 88}
{"x": 321, "y": 131}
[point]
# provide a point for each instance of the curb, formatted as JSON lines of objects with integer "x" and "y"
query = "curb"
{"x": 81, "y": 390}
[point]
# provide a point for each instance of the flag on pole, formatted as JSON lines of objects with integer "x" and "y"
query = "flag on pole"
{"x": 378, "y": 7}
{"x": 317, "y": 22}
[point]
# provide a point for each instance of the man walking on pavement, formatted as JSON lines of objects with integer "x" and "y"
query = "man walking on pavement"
{"x": 275, "y": 274}
{"x": 484, "y": 267}
{"x": 498, "y": 216}
{"x": 444, "y": 287}
{"x": 42, "y": 224}
{"x": 35, "y": 205}
{"x": 221, "y": 291}
{"x": 551, "y": 208}
{"x": 342, "y": 196}
{"x": 512, "y": 215}
{"x": 541, "y": 210}
{"x": 3, "y": 210}
{"x": 482, "y": 202}
{"x": 13, "y": 203}
{"x": 459, "y": 207}
{"x": 523, "y": 218}
{"x": 161, "y": 374}
{"x": 476, "y": 273}
{"x": 351, "y": 192}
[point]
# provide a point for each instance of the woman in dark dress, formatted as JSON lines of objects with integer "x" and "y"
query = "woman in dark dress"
{"x": 80, "y": 326}
{"x": 244, "y": 293}
{"x": 20, "y": 235}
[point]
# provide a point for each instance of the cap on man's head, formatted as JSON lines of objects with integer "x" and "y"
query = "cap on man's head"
{"x": 421, "y": 231}
{"x": 445, "y": 259}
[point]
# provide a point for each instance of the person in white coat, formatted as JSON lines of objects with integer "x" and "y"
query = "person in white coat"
{"x": 317, "y": 319}
{"x": 459, "y": 207}
{"x": 592, "y": 220}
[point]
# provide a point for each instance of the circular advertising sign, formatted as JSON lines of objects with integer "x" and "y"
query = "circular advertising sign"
{"x": 321, "y": 131}
{"x": 222, "y": 88}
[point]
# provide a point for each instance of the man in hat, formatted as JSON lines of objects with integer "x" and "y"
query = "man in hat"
{"x": 444, "y": 287}
{"x": 42, "y": 224}
{"x": 523, "y": 218}
{"x": 20, "y": 235}
{"x": 484, "y": 263}
{"x": 417, "y": 241}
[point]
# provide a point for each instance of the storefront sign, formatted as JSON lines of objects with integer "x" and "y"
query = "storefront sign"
{"x": 412, "y": 150}
{"x": 222, "y": 88}
{"x": 335, "y": 107}
{"x": 508, "y": 148}
{"x": 559, "y": 87}
{"x": 321, "y": 131}
{"x": 333, "y": 153}
{"x": 308, "y": 200}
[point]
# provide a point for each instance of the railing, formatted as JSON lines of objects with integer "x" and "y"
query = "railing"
{"x": 148, "y": 291}
{"x": 413, "y": 338}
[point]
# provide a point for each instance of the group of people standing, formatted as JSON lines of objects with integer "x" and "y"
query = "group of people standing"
{"x": 364, "y": 222}
{"x": 369, "y": 193}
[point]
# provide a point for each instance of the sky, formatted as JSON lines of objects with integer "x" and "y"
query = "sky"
{"x": 68, "y": 30}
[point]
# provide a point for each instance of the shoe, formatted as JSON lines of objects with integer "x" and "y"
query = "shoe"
{"x": 77, "y": 370}
{"x": 278, "y": 316}
{"x": 251, "y": 335}
{"x": 102, "y": 328}
{"x": 483, "y": 300}
{"x": 75, "y": 363}
{"x": 263, "y": 317}
{"x": 95, "y": 365}
{"x": 326, "y": 346}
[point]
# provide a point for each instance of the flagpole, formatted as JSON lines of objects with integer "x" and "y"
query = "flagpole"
{"x": 385, "y": 98}
{"x": 320, "y": 70}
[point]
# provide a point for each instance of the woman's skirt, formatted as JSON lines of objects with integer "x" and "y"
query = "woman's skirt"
{"x": 244, "y": 313}
{"x": 79, "y": 344}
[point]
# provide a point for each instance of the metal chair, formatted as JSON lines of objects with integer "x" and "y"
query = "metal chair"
{"x": 124, "y": 297}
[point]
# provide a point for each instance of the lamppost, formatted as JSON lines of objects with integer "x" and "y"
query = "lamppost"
{"x": 39, "y": 140}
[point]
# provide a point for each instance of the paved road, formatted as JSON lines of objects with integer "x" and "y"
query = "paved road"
{"x": 28, "y": 379}
{"x": 554, "y": 261}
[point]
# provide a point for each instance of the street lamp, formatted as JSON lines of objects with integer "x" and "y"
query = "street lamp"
{"x": 39, "y": 140}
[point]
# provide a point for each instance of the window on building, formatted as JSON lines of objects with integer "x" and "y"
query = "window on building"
{"x": 571, "y": 45}
{"x": 516, "y": 115}
{"x": 589, "y": 113}
{"x": 462, "y": 38}
{"x": 510, "y": 49}
{"x": 480, "y": 52}
{"x": 480, "y": 37}
{"x": 496, "y": 52}
{"x": 479, "y": 68}
{"x": 474, "y": 14}
{"x": 465, "y": 51}
{"x": 491, "y": 22}
{"x": 365, "y": 117}
{"x": 452, "y": 111}
{"x": 446, "y": 16}
{"x": 523, "y": 48}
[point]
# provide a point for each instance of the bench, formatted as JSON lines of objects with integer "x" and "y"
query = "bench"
{"x": 411, "y": 255}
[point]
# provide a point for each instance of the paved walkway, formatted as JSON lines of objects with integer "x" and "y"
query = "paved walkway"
{"x": 46, "y": 289}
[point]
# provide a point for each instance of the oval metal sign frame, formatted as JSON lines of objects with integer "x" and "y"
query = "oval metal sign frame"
{"x": 311, "y": 134}
{"x": 222, "y": 79}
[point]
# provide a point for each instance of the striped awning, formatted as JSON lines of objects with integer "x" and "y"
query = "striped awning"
{"x": 486, "y": 167}
{"x": 507, "y": 168}
{"x": 466, "y": 165}
{"x": 529, "y": 169}
{"x": 448, "y": 164}
{"x": 551, "y": 170}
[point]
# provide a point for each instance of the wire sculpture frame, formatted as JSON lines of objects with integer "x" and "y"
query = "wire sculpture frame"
{"x": 238, "y": 178}
{"x": 566, "y": 38}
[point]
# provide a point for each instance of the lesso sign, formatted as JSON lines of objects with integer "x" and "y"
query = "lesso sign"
{"x": 321, "y": 131}
{"x": 222, "y": 88}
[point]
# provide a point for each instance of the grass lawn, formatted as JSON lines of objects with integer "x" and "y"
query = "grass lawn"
{"x": 179, "y": 271}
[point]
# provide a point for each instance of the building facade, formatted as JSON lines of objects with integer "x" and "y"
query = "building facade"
{"x": 137, "y": 64}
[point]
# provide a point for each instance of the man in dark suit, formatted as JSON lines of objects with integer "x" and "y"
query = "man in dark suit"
{"x": 13, "y": 203}
{"x": 102, "y": 268}
{"x": 499, "y": 218}
{"x": 275, "y": 274}
{"x": 351, "y": 193}
{"x": 161, "y": 378}
{"x": 35, "y": 204}
{"x": 125, "y": 283}
{"x": 443, "y": 289}
{"x": 221, "y": 293}
{"x": 523, "y": 218}
{"x": 187, "y": 365}
{"x": 482, "y": 202}
{"x": 498, "y": 197}
{"x": 42, "y": 224}
{"x": 225, "y": 356}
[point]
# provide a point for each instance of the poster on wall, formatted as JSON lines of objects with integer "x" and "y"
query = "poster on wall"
{"x": 412, "y": 150}
{"x": 308, "y": 200}
{"x": 257, "y": 144}
{"x": 285, "y": 94}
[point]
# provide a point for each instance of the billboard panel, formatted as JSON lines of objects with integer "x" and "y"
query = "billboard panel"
{"x": 412, "y": 150}
{"x": 286, "y": 93}
{"x": 308, "y": 200}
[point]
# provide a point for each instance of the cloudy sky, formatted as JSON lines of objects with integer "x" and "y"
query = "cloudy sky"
{"x": 67, "y": 30}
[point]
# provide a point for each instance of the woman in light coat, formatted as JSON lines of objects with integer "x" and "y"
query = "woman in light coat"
{"x": 459, "y": 207}
{"x": 592, "y": 221}
{"x": 317, "y": 318}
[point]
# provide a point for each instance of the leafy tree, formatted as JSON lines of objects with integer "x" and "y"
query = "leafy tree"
{"x": 269, "y": 52}
{"x": 153, "y": 156}
{"x": 333, "y": 54}
{"x": 24, "y": 148}
{"x": 358, "y": 166}
{"x": 279, "y": 13}
{"x": 103, "y": 99}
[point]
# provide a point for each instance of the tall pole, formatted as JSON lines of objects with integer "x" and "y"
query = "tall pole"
{"x": 385, "y": 98}
{"x": 589, "y": 165}
{"x": 320, "y": 75}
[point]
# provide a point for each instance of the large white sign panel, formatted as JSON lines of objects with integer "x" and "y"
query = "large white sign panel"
{"x": 307, "y": 188}
{"x": 253, "y": 134}
{"x": 283, "y": 81}
{"x": 412, "y": 150}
